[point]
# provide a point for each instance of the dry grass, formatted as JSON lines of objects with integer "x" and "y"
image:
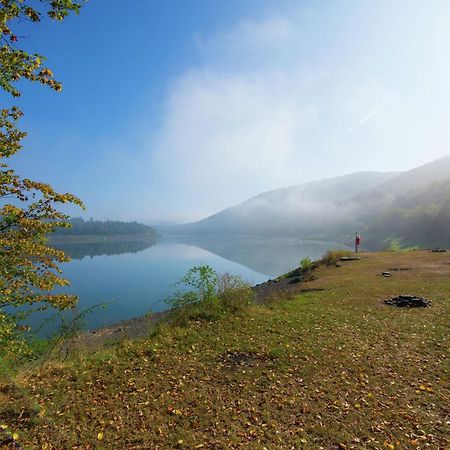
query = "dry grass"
{"x": 331, "y": 369}
{"x": 332, "y": 257}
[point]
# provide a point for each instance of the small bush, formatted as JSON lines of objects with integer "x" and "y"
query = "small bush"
{"x": 332, "y": 257}
{"x": 211, "y": 297}
{"x": 203, "y": 280}
{"x": 306, "y": 265}
{"x": 233, "y": 293}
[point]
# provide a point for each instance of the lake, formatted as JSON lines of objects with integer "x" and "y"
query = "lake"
{"x": 134, "y": 277}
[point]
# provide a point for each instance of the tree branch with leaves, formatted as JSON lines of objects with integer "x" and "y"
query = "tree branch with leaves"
{"x": 29, "y": 210}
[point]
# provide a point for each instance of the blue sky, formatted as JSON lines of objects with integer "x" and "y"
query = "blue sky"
{"x": 172, "y": 110}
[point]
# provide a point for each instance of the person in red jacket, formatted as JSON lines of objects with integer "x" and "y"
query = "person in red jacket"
{"x": 357, "y": 241}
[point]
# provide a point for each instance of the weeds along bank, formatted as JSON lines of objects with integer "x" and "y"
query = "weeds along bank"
{"x": 330, "y": 367}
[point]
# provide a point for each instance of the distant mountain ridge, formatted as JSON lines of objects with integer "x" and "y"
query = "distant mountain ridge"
{"x": 405, "y": 206}
{"x": 287, "y": 208}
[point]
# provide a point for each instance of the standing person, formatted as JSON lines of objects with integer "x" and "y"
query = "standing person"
{"x": 357, "y": 241}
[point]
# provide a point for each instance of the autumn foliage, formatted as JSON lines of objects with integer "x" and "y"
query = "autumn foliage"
{"x": 29, "y": 268}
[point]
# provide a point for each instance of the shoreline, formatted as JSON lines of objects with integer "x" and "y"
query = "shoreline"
{"x": 139, "y": 327}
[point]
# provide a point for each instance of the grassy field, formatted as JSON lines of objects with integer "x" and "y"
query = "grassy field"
{"x": 331, "y": 368}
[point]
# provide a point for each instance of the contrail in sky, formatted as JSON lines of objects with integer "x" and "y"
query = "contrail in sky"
{"x": 365, "y": 119}
{"x": 351, "y": 129}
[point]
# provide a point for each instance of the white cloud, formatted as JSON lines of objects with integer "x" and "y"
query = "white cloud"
{"x": 239, "y": 127}
{"x": 278, "y": 102}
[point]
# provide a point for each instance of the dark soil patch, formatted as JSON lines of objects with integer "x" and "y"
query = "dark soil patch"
{"x": 243, "y": 360}
{"x": 400, "y": 268}
{"x": 9, "y": 440}
{"x": 8, "y": 388}
{"x": 408, "y": 301}
{"x": 311, "y": 290}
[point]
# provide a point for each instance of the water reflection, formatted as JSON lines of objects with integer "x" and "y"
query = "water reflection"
{"x": 270, "y": 255}
{"x": 102, "y": 246}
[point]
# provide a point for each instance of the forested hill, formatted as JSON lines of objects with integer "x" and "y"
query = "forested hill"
{"x": 91, "y": 227}
{"x": 412, "y": 207}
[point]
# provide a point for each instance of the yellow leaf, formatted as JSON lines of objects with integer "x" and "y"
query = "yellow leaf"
{"x": 422, "y": 387}
{"x": 357, "y": 405}
{"x": 100, "y": 436}
{"x": 3, "y": 426}
{"x": 180, "y": 441}
{"x": 15, "y": 436}
{"x": 303, "y": 440}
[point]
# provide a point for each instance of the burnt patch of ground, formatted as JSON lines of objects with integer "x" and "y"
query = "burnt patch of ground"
{"x": 408, "y": 301}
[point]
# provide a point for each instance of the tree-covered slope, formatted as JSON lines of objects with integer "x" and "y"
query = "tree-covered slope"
{"x": 104, "y": 228}
{"x": 412, "y": 207}
{"x": 296, "y": 210}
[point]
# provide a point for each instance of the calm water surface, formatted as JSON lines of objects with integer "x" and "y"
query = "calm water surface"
{"x": 134, "y": 278}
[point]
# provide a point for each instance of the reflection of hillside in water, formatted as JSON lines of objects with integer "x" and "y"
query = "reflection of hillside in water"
{"x": 82, "y": 249}
{"x": 269, "y": 255}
